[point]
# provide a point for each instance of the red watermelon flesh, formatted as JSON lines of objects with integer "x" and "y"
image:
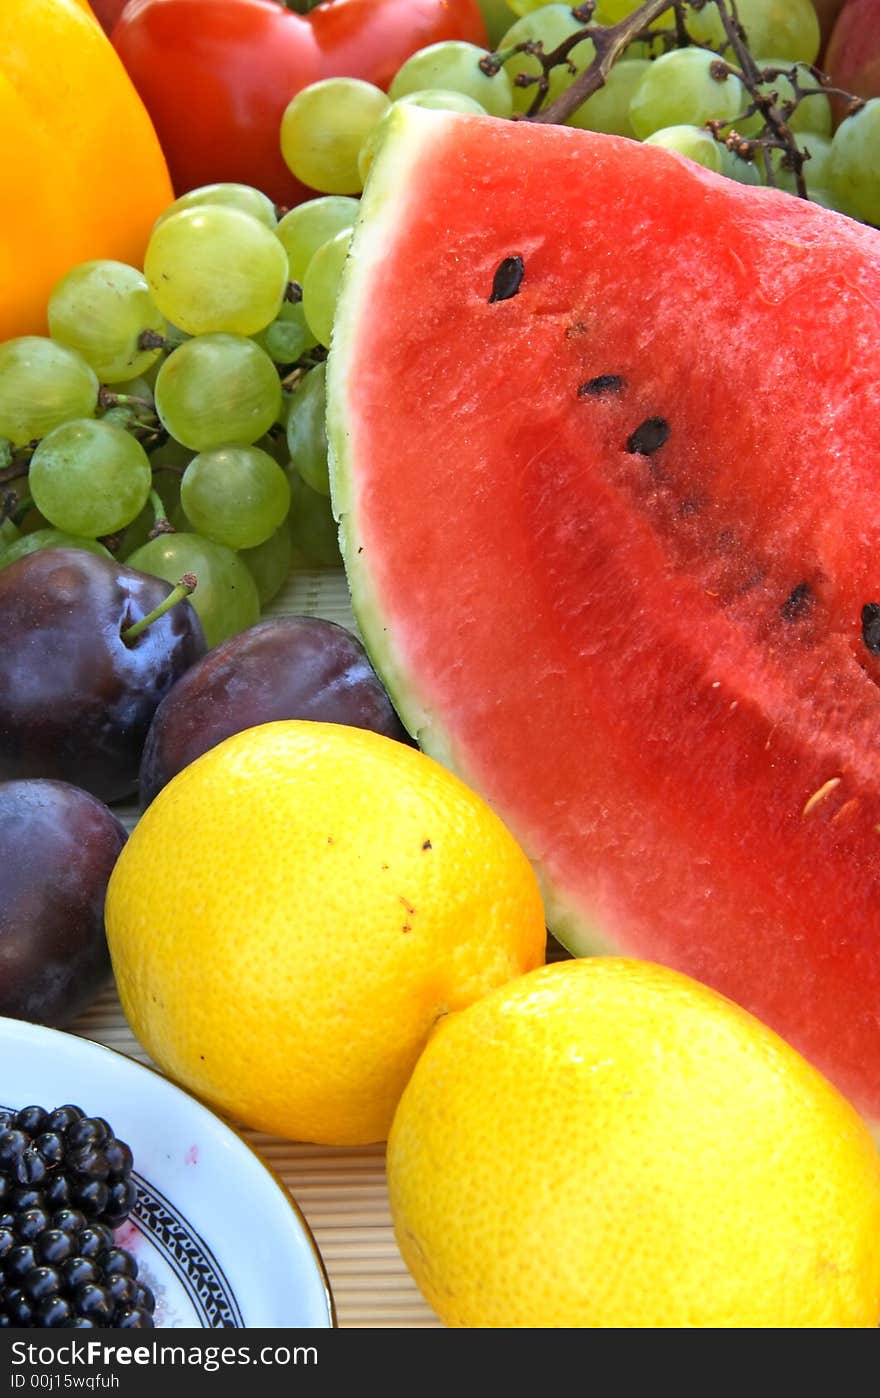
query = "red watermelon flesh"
{"x": 613, "y": 540}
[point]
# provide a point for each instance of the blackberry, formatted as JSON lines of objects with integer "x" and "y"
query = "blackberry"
{"x": 65, "y": 1184}
{"x": 61, "y": 1159}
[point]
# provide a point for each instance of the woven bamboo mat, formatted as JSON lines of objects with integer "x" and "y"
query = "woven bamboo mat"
{"x": 341, "y": 1192}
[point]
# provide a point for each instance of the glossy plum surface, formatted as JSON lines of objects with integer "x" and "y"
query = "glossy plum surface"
{"x": 58, "y": 846}
{"x": 76, "y": 699}
{"x": 287, "y": 667}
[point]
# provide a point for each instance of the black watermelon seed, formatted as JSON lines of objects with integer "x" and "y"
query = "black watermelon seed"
{"x": 508, "y": 277}
{"x": 798, "y": 601}
{"x": 602, "y": 383}
{"x": 648, "y": 437}
{"x": 871, "y": 626}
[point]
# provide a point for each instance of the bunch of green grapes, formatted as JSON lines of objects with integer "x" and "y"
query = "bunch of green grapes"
{"x": 656, "y": 92}
{"x": 173, "y": 417}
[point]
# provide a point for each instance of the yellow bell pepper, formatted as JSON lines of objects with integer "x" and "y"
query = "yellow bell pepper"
{"x": 81, "y": 170}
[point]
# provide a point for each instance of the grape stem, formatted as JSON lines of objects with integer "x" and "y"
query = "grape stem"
{"x": 776, "y": 133}
{"x": 609, "y": 41}
{"x": 108, "y": 398}
{"x": 161, "y": 523}
{"x": 151, "y": 339}
{"x": 298, "y": 371}
{"x": 135, "y": 414}
{"x": 184, "y": 588}
{"x": 19, "y": 465}
{"x": 8, "y": 506}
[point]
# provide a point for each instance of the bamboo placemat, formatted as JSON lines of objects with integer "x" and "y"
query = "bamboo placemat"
{"x": 342, "y": 1195}
{"x": 341, "y": 1191}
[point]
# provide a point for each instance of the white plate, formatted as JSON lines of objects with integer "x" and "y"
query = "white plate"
{"x": 217, "y": 1237}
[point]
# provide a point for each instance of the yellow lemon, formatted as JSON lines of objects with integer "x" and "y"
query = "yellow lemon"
{"x": 608, "y": 1143}
{"x": 294, "y": 912}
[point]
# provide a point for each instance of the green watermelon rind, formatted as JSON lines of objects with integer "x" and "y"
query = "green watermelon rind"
{"x": 382, "y": 206}
{"x": 377, "y": 218}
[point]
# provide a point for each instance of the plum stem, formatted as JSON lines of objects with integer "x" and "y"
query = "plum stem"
{"x": 184, "y": 588}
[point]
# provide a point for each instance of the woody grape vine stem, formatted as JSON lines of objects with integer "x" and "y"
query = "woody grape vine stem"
{"x": 609, "y": 43}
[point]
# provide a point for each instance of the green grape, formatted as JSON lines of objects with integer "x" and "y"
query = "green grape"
{"x": 700, "y": 145}
{"x": 321, "y": 285}
{"x": 49, "y": 539}
{"x": 118, "y": 415}
{"x": 135, "y": 388}
{"x": 171, "y": 455}
{"x": 178, "y": 520}
{"x": 435, "y": 98}
{"x": 817, "y": 169}
{"x": 225, "y": 598}
{"x": 274, "y": 442}
{"x": 828, "y": 199}
{"x": 521, "y": 7}
{"x": 233, "y": 196}
{"x": 854, "y": 166}
{"x": 324, "y": 127}
{"x": 269, "y": 563}
{"x": 644, "y": 48}
{"x": 288, "y": 336}
{"x": 812, "y": 113}
{"x": 695, "y": 142}
{"x": 212, "y": 268}
{"x": 497, "y": 17}
{"x": 136, "y": 533}
{"x": 739, "y": 169}
{"x": 306, "y": 432}
{"x": 306, "y": 227}
{"x": 613, "y": 11}
{"x": 679, "y": 89}
{"x": 786, "y": 27}
{"x": 9, "y": 532}
{"x": 443, "y": 99}
{"x": 236, "y": 496}
{"x": 549, "y": 25}
{"x": 608, "y": 109}
{"x": 217, "y": 391}
{"x": 42, "y": 384}
{"x": 314, "y": 533}
{"x": 89, "y": 477}
{"x": 608, "y": 12}
{"x": 130, "y": 405}
{"x": 100, "y": 309}
{"x": 454, "y": 64}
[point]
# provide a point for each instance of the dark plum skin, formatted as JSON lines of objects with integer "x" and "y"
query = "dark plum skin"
{"x": 76, "y": 700}
{"x": 58, "y": 846}
{"x": 287, "y": 667}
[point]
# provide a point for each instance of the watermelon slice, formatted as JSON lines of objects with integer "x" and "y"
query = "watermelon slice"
{"x": 606, "y": 458}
